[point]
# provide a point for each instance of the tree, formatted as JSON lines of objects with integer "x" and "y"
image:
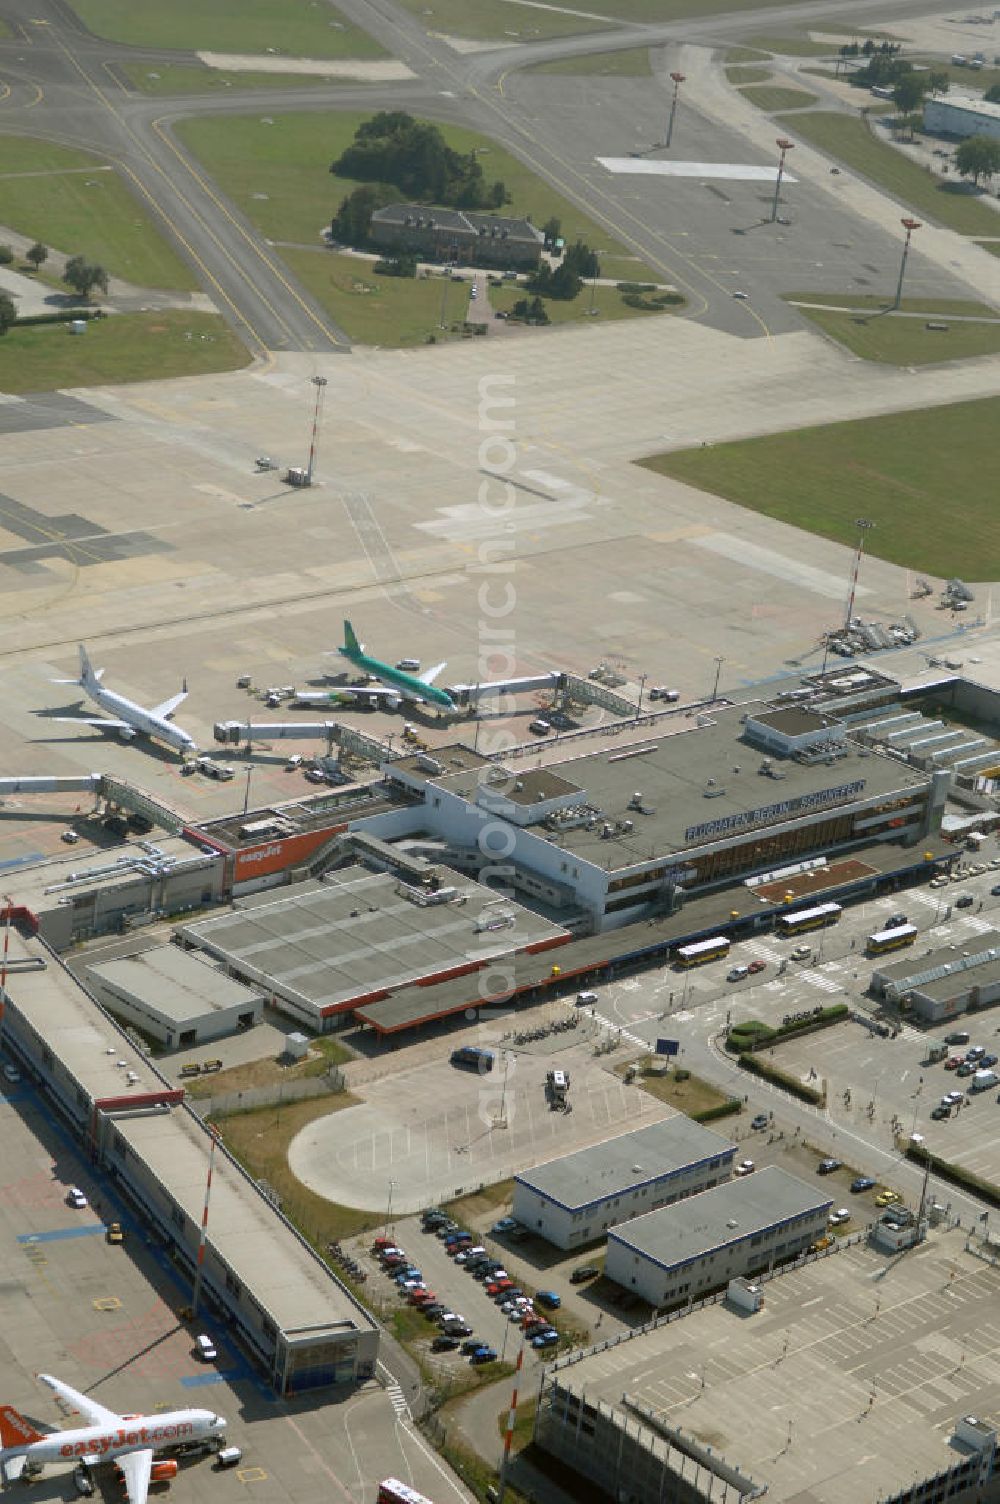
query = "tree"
{"x": 551, "y": 229}
{"x": 36, "y": 254}
{"x": 581, "y": 260}
{"x": 908, "y": 92}
{"x": 6, "y": 255}
{"x": 351, "y": 224}
{"x": 992, "y": 95}
{"x": 937, "y": 81}
{"x": 83, "y": 276}
{"x": 978, "y": 157}
{"x": 414, "y": 157}
{"x": 8, "y": 312}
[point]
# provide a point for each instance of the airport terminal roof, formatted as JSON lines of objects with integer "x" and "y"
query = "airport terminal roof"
{"x": 901, "y": 973}
{"x": 693, "y": 779}
{"x": 335, "y": 807}
{"x": 177, "y": 984}
{"x": 725, "y": 1214}
{"x": 845, "y": 1386}
{"x": 582, "y": 1179}
{"x": 324, "y": 945}
{"x": 83, "y": 868}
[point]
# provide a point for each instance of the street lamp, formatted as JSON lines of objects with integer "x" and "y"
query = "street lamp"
{"x": 678, "y": 79}
{"x": 718, "y": 670}
{"x": 863, "y": 525}
{"x": 909, "y": 225}
{"x": 784, "y": 146}
{"x": 319, "y": 382}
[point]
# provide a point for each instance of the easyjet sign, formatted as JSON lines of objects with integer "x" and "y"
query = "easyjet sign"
{"x": 275, "y": 856}
{"x": 114, "y": 1440}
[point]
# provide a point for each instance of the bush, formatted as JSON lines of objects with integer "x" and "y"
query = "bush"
{"x": 397, "y": 266}
{"x": 6, "y": 255}
{"x": 720, "y": 1110}
{"x": 654, "y": 304}
{"x": 61, "y": 316}
{"x": 760, "y": 1067}
{"x": 751, "y": 1034}
{"x": 636, "y": 286}
{"x": 956, "y": 1175}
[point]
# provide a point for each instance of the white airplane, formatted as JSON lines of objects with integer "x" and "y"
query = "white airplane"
{"x": 125, "y": 716}
{"x": 129, "y": 1440}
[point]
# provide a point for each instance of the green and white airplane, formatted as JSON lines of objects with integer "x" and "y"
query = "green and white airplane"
{"x": 398, "y": 685}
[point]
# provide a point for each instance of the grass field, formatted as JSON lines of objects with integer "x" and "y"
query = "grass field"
{"x": 748, "y": 75}
{"x": 992, "y": 246}
{"x": 295, "y": 28}
{"x": 125, "y": 347}
{"x": 631, "y": 62}
{"x": 608, "y": 302}
{"x": 197, "y": 78}
{"x": 377, "y": 310}
{"x": 905, "y": 342}
{"x": 289, "y": 162}
{"x": 260, "y": 1140}
{"x": 911, "y": 473}
{"x": 691, "y": 1095}
{"x": 773, "y": 100}
{"x": 324, "y": 1053}
{"x": 850, "y": 141}
{"x": 500, "y": 18}
{"x": 76, "y": 203}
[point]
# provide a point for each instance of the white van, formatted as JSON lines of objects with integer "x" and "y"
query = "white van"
{"x": 205, "y": 1348}
{"x": 586, "y": 999}
{"x": 295, "y": 761}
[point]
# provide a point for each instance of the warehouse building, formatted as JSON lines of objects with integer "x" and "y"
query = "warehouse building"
{"x": 962, "y": 115}
{"x": 322, "y": 949}
{"x": 946, "y": 982}
{"x": 297, "y": 1323}
{"x": 574, "y": 1200}
{"x": 835, "y": 1391}
{"x": 173, "y": 997}
{"x": 741, "y": 1227}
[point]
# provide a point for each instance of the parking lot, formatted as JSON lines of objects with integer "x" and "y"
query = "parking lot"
{"x": 106, "y": 1320}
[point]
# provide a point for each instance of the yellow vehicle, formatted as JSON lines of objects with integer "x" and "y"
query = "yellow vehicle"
{"x": 886, "y": 1198}
{"x": 115, "y": 1234}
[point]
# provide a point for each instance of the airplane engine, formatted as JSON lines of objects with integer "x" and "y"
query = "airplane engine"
{"x": 163, "y": 1470}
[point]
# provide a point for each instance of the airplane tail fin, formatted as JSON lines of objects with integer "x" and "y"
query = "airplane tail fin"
{"x": 351, "y": 643}
{"x": 15, "y": 1431}
{"x": 88, "y": 674}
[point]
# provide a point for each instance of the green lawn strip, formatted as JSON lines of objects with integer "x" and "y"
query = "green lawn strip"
{"x": 749, "y": 75}
{"x": 75, "y": 202}
{"x": 906, "y": 342}
{"x": 798, "y": 46}
{"x": 874, "y": 302}
{"x": 296, "y": 28}
{"x": 773, "y": 100}
{"x": 500, "y": 19}
{"x": 124, "y": 347}
{"x": 289, "y": 162}
{"x": 377, "y": 310}
{"x": 911, "y": 473}
{"x": 631, "y": 62}
{"x": 608, "y": 302}
{"x": 198, "y": 78}
{"x": 850, "y": 140}
{"x": 993, "y": 246}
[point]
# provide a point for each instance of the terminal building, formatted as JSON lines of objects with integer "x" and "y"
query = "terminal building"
{"x": 173, "y": 997}
{"x": 943, "y": 983}
{"x": 739, "y": 1228}
{"x": 297, "y": 1323}
{"x": 574, "y": 1200}
{"x": 962, "y": 115}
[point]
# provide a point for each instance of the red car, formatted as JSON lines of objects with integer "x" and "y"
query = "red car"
{"x": 498, "y": 1285}
{"x": 422, "y": 1297}
{"x": 953, "y": 1063}
{"x": 756, "y": 966}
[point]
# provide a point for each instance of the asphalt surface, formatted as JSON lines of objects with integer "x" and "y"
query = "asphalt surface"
{"x": 66, "y": 85}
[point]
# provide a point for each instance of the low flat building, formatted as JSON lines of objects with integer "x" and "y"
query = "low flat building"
{"x": 322, "y": 949}
{"x": 287, "y": 1309}
{"x": 853, "y": 1383}
{"x": 945, "y": 982}
{"x": 574, "y": 1200}
{"x": 174, "y": 997}
{"x": 741, "y": 1227}
{"x": 462, "y": 236}
{"x": 962, "y": 115}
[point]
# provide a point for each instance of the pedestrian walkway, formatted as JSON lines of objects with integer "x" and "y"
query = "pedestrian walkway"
{"x": 823, "y": 980}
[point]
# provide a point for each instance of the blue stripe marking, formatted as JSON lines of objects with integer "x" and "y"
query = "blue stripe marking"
{"x": 59, "y": 1234}
{"x": 22, "y": 861}
{"x": 198, "y": 1380}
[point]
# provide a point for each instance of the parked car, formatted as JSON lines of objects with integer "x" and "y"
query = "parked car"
{"x": 737, "y": 973}
{"x": 205, "y": 1348}
{"x": 976, "y": 1052}
{"x": 545, "y": 1339}
{"x": 839, "y": 1217}
{"x": 484, "y": 1355}
{"x": 953, "y": 1062}
{"x": 760, "y": 1121}
{"x": 550, "y": 1299}
{"x": 943, "y": 1110}
{"x": 862, "y": 1183}
{"x": 951, "y": 1097}
{"x": 434, "y": 1309}
{"x": 895, "y": 921}
{"x": 986, "y": 1062}
{"x": 506, "y": 1223}
{"x": 756, "y": 966}
{"x": 887, "y": 1197}
{"x": 444, "y": 1344}
{"x": 75, "y": 1197}
{"x": 965, "y": 901}
{"x": 745, "y": 1167}
{"x": 115, "y": 1234}
{"x": 967, "y": 1068}
{"x": 583, "y": 1274}
{"x": 802, "y": 953}
{"x": 827, "y": 1166}
{"x": 959, "y": 1036}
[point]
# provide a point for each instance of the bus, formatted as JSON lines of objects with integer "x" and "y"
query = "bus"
{"x": 701, "y": 951}
{"x": 391, "y": 1491}
{"x": 883, "y": 940}
{"x": 808, "y": 919}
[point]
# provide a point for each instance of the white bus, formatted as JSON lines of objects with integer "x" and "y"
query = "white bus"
{"x": 700, "y": 951}
{"x": 808, "y": 919}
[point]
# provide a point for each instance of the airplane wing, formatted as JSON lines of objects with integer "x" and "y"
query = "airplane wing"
{"x": 430, "y": 674}
{"x": 168, "y": 707}
{"x": 367, "y": 692}
{"x": 136, "y": 1468}
{"x": 106, "y": 725}
{"x": 95, "y": 1414}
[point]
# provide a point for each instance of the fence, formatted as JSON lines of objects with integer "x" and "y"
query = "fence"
{"x": 269, "y": 1096}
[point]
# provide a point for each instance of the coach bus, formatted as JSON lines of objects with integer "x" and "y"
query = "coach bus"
{"x": 701, "y": 951}
{"x": 391, "y": 1491}
{"x": 808, "y": 919}
{"x": 883, "y": 940}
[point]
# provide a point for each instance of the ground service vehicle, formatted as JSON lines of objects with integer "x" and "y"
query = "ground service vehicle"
{"x": 700, "y": 951}
{"x": 808, "y": 919}
{"x": 391, "y": 1491}
{"x": 894, "y": 939}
